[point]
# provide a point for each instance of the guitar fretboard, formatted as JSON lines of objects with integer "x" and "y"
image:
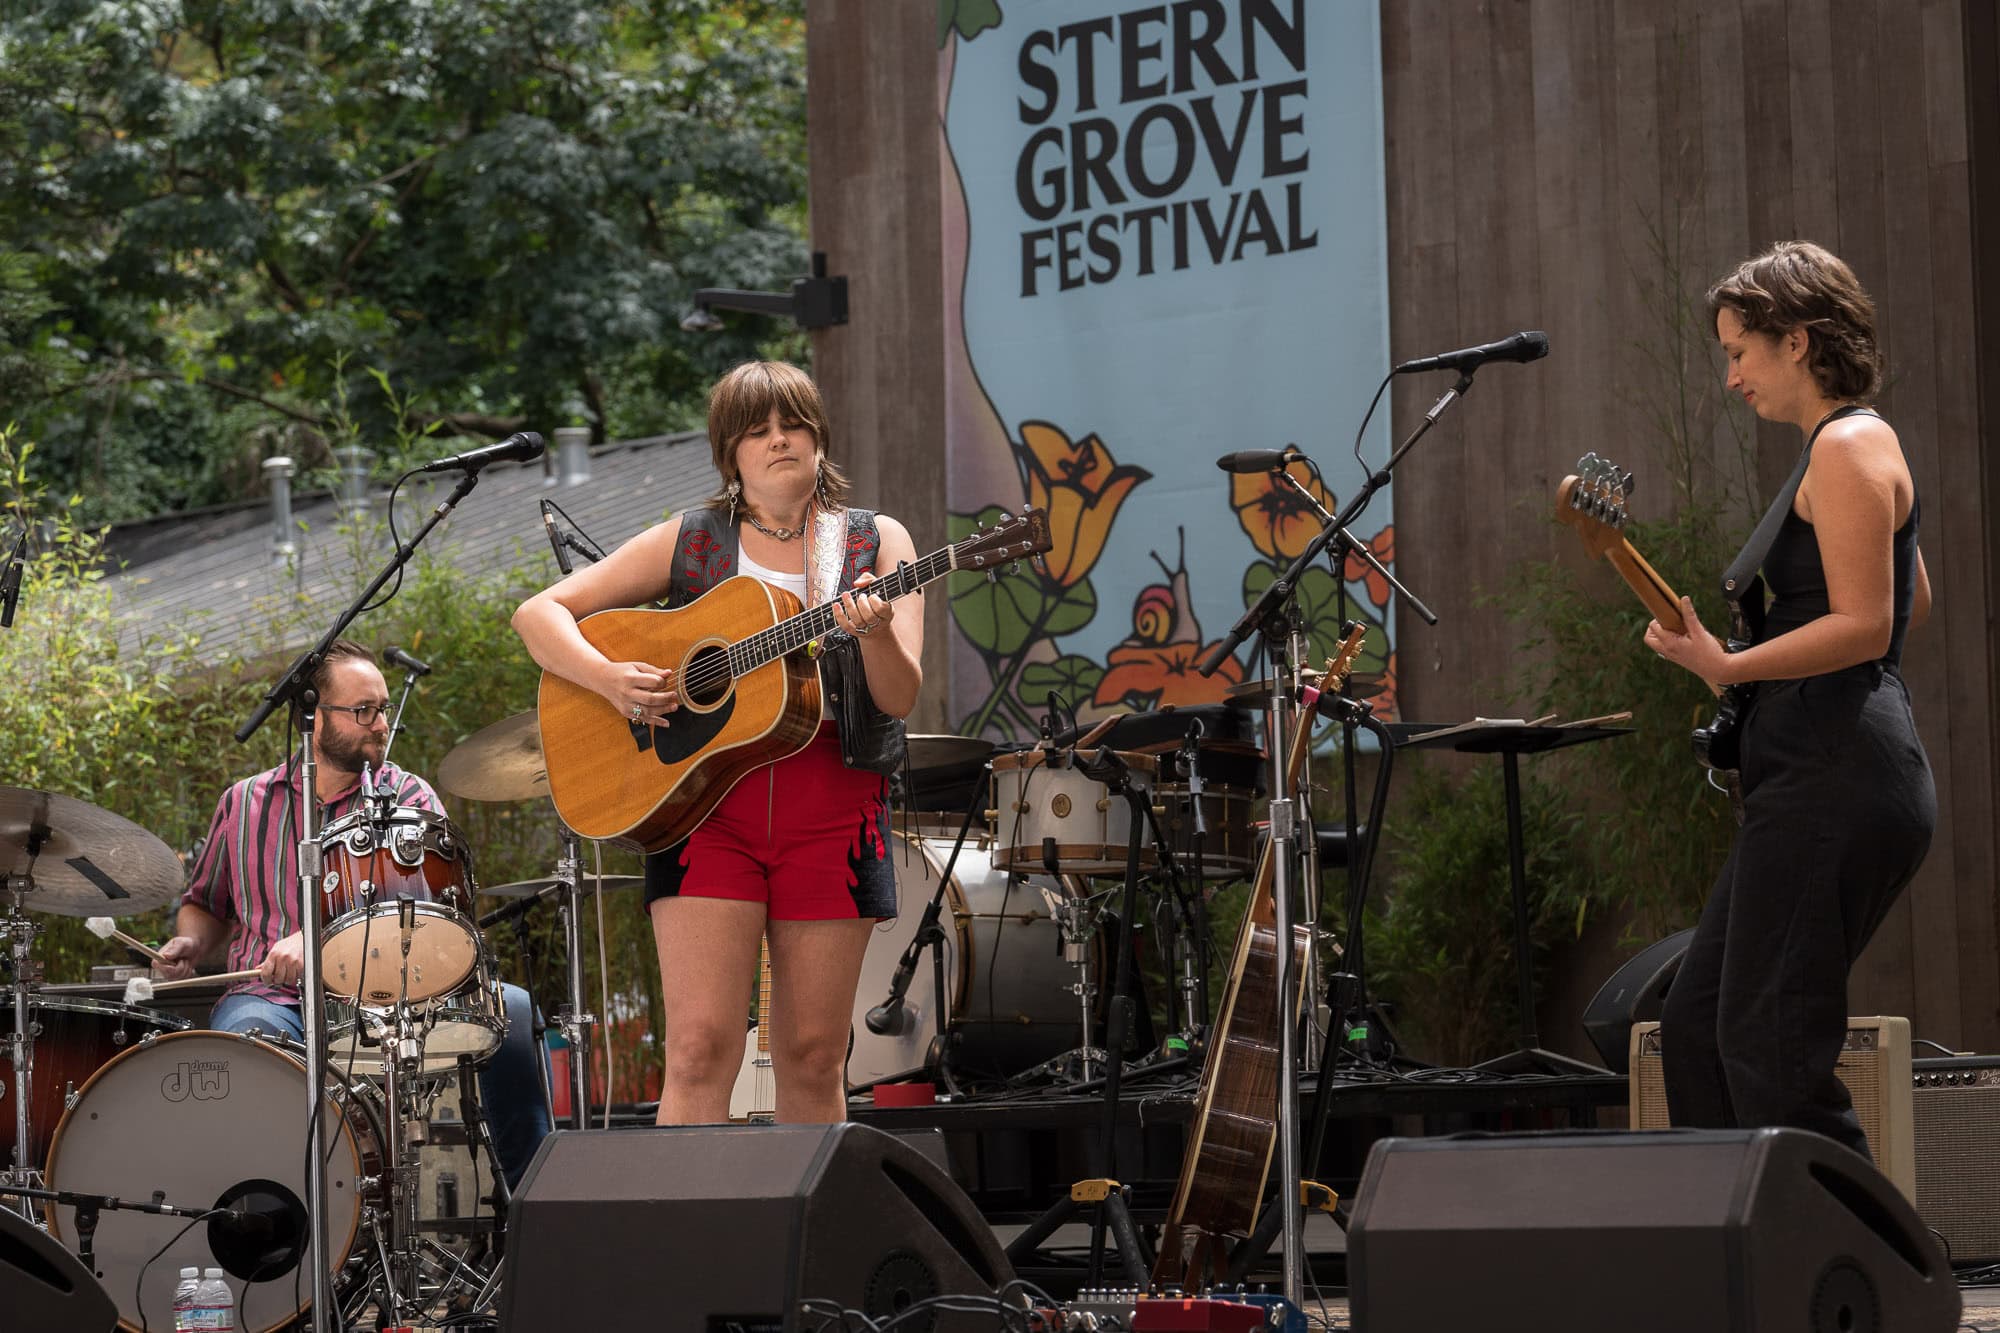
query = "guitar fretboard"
{"x": 791, "y": 635}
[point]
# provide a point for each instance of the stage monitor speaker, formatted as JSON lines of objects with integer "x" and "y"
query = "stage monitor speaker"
{"x": 1874, "y": 1064}
{"x": 44, "y": 1287}
{"x": 1634, "y": 994}
{"x": 717, "y": 1229}
{"x": 1955, "y": 1107}
{"x": 1726, "y": 1231}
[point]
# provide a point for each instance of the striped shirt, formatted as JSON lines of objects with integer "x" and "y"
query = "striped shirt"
{"x": 248, "y": 871}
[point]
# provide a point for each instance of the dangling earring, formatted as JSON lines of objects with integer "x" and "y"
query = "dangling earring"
{"x": 735, "y": 491}
{"x": 819, "y": 483}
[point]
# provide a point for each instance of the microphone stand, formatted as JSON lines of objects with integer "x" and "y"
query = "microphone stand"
{"x": 1274, "y": 617}
{"x": 883, "y": 1019}
{"x": 294, "y": 689}
{"x": 402, "y": 702}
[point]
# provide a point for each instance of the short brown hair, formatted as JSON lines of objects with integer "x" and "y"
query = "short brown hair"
{"x": 1800, "y": 285}
{"x": 744, "y": 398}
{"x": 340, "y": 650}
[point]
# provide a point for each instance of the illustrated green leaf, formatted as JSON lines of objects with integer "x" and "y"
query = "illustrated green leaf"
{"x": 1072, "y": 676}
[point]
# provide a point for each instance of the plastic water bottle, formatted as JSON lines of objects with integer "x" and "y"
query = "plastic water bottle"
{"x": 185, "y": 1314}
{"x": 216, "y": 1303}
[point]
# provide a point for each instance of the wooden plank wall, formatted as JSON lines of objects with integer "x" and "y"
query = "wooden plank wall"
{"x": 871, "y": 131}
{"x": 1537, "y": 149}
{"x": 1541, "y": 155}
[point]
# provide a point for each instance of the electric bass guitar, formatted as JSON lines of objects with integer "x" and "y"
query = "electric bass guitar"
{"x": 742, "y": 657}
{"x": 754, "y": 1099}
{"x": 1594, "y": 501}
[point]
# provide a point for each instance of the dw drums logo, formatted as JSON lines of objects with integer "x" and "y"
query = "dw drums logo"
{"x": 203, "y": 1080}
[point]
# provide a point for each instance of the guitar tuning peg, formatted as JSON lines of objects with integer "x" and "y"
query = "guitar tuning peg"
{"x": 992, "y": 576}
{"x": 1625, "y": 480}
{"x": 1013, "y": 566}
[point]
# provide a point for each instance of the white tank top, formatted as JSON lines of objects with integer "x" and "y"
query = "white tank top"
{"x": 795, "y": 584}
{"x": 792, "y": 583}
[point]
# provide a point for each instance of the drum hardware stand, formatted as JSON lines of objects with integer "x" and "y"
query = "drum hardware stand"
{"x": 1073, "y": 921}
{"x": 295, "y": 689}
{"x": 574, "y": 1019}
{"x": 1104, "y": 1195}
{"x": 21, "y": 931}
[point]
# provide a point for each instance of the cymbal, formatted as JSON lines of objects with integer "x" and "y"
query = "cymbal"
{"x": 945, "y": 751}
{"x": 1257, "y": 693}
{"x": 502, "y": 762}
{"x": 528, "y": 888}
{"x": 72, "y": 858}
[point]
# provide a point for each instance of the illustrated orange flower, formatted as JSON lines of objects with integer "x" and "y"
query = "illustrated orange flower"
{"x": 1156, "y": 674}
{"x": 1081, "y": 486}
{"x": 1383, "y": 547}
{"x": 1277, "y": 518}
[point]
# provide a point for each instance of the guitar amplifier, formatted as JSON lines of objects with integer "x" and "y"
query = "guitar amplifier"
{"x": 1874, "y": 1064}
{"x": 1956, "y": 1105}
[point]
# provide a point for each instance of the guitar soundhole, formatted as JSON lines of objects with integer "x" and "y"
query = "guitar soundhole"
{"x": 706, "y": 676}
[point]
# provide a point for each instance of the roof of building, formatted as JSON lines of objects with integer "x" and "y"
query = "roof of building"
{"x": 217, "y": 572}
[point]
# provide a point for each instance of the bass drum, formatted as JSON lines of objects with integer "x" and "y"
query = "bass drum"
{"x": 1011, "y": 1002}
{"x": 208, "y": 1118}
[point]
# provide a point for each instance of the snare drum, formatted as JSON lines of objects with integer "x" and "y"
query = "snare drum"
{"x": 207, "y": 1118}
{"x": 370, "y": 865}
{"x": 1011, "y": 1001}
{"x": 74, "y": 1037}
{"x": 1229, "y": 838}
{"x": 1037, "y": 802}
{"x": 471, "y": 1021}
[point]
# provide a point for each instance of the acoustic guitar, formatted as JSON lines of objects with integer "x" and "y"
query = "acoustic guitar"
{"x": 1595, "y": 501}
{"x": 742, "y": 657}
{"x": 1235, "y": 1126}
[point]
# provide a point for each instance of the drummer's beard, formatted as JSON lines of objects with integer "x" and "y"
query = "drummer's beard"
{"x": 349, "y": 752}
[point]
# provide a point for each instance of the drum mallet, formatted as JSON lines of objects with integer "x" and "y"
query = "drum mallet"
{"x": 138, "y": 990}
{"x": 106, "y": 929}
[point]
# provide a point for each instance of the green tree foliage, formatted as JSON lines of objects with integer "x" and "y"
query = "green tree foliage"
{"x": 143, "y": 729}
{"x": 503, "y": 204}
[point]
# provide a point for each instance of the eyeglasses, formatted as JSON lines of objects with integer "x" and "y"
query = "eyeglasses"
{"x": 364, "y": 714}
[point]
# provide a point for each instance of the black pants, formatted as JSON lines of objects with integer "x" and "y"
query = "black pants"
{"x": 1838, "y": 813}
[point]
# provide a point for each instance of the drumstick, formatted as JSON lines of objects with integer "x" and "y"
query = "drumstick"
{"x": 106, "y": 929}
{"x": 138, "y": 990}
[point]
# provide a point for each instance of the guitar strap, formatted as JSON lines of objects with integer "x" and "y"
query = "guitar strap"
{"x": 1741, "y": 576}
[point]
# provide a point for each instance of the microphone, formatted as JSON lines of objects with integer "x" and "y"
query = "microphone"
{"x": 893, "y": 1019}
{"x": 10, "y": 583}
{"x": 416, "y": 666}
{"x": 555, "y": 540}
{"x": 520, "y": 447}
{"x": 1259, "y": 460}
{"x": 1527, "y": 346}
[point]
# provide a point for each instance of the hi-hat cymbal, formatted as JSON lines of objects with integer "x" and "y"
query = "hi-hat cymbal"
{"x": 943, "y": 751}
{"x": 528, "y": 888}
{"x": 72, "y": 858}
{"x": 502, "y": 762}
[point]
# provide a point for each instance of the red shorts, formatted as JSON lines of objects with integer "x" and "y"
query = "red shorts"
{"x": 806, "y": 836}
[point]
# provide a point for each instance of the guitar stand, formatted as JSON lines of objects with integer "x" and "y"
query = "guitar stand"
{"x": 1104, "y": 1195}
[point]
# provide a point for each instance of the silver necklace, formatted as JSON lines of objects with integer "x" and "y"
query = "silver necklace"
{"x": 776, "y": 534}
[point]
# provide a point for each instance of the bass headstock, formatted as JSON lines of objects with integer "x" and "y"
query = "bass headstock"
{"x": 1595, "y": 500}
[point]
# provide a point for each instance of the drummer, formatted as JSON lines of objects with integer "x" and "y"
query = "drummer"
{"x": 247, "y": 878}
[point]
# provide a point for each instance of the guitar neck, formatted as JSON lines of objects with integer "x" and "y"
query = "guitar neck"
{"x": 788, "y": 636}
{"x": 1657, "y": 594}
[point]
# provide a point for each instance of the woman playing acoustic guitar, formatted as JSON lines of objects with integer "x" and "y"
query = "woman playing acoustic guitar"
{"x": 1838, "y": 802}
{"x": 797, "y": 851}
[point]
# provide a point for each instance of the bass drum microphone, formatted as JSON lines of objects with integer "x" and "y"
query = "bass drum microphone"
{"x": 262, "y": 1234}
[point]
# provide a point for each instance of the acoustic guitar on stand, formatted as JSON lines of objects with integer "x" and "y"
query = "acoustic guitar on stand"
{"x": 1594, "y": 501}
{"x": 1235, "y": 1127}
{"x": 742, "y": 655}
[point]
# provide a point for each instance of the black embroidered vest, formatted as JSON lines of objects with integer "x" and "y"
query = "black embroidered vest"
{"x": 706, "y": 554}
